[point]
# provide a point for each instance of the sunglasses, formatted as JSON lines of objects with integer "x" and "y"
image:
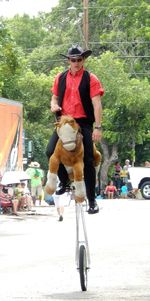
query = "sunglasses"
{"x": 76, "y": 60}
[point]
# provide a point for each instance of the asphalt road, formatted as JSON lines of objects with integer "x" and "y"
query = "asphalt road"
{"x": 37, "y": 254}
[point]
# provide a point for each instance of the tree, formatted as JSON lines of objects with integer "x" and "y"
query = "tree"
{"x": 28, "y": 32}
{"x": 10, "y": 64}
{"x": 125, "y": 109}
{"x": 39, "y": 122}
{"x": 126, "y": 32}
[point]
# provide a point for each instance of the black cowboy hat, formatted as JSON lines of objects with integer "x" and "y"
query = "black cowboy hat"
{"x": 75, "y": 51}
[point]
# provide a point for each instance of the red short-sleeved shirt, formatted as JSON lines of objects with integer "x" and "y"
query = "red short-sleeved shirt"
{"x": 72, "y": 104}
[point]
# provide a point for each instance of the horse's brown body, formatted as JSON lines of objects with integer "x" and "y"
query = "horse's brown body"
{"x": 72, "y": 160}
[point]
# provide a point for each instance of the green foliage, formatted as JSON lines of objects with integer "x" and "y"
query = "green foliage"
{"x": 126, "y": 32}
{"x": 40, "y": 136}
{"x": 39, "y": 122}
{"x": 31, "y": 31}
{"x": 119, "y": 35}
{"x": 34, "y": 95}
{"x": 126, "y": 104}
{"x": 11, "y": 59}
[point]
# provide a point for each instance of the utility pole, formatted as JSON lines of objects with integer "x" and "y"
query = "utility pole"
{"x": 85, "y": 23}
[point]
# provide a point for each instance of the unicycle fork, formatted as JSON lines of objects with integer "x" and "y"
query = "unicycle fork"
{"x": 82, "y": 247}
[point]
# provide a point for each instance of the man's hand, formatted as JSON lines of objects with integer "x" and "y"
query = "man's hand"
{"x": 97, "y": 135}
{"x": 54, "y": 104}
{"x": 55, "y": 108}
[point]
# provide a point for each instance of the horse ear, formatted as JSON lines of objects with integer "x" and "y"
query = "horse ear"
{"x": 79, "y": 129}
{"x": 73, "y": 122}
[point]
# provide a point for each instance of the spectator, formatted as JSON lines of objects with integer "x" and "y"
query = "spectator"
{"x": 18, "y": 195}
{"x": 6, "y": 196}
{"x": 57, "y": 200}
{"x": 59, "y": 204}
{"x": 15, "y": 202}
{"x": 124, "y": 191}
{"x": 127, "y": 164}
{"x": 117, "y": 180}
{"x": 124, "y": 175}
{"x": 37, "y": 176}
{"x": 110, "y": 190}
{"x": 26, "y": 196}
{"x": 147, "y": 164}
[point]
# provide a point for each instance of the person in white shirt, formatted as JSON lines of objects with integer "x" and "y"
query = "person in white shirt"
{"x": 127, "y": 164}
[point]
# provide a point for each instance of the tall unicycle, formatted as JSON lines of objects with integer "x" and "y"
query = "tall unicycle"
{"x": 82, "y": 248}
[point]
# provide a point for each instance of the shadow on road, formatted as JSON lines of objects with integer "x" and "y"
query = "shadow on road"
{"x": 71, "y": 296}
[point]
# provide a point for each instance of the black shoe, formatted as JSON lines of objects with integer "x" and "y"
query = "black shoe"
{"x": 62, "y": 189}
{"x": 60, "y": 218}
{"x": 93, "y": 209}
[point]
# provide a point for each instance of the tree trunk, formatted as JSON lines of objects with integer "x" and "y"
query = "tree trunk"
{"x": 110, "y": 155}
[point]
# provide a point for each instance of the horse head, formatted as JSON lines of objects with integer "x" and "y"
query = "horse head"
{"x": 67, "y": 130}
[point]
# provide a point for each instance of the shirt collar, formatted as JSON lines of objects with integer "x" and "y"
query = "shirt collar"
{"x": 78, "y": 72}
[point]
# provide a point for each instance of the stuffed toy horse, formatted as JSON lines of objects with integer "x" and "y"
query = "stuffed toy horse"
{"x": 69, "y": 151}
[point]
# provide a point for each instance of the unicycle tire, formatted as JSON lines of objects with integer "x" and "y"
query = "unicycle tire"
{"x": 83, "y": 267}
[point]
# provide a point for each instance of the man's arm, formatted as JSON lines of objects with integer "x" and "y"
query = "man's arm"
{"x": 54, "y": 104}
{"x": 97, "y": 131}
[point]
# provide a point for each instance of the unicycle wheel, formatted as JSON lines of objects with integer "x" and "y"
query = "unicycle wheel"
{"x": 83, "y": 269}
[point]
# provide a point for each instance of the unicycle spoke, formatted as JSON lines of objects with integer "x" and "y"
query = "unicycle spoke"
{"x": 83, "y": 269}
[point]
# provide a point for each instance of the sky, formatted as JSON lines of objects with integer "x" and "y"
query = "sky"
{"x": 9, "y": 8}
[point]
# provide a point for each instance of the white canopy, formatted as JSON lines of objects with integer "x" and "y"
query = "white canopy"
{"x": 14, "y": 177}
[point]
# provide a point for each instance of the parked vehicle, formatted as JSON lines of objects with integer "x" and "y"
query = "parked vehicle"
{"x": 140, "y": 179}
